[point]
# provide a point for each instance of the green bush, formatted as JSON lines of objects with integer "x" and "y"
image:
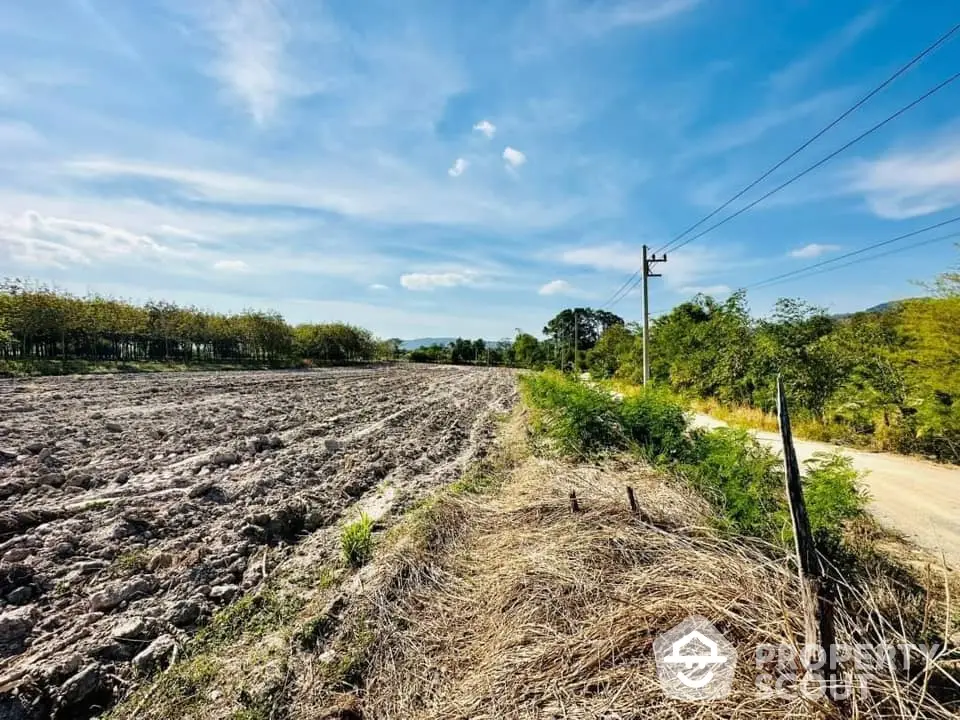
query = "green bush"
{"x": 582, "y": 420}
{"x": 356, "y": 540}
{"x": 833, "y": 497}
{"x": 655, "y": 421}
{"x": 579, "y": 419}
{"x": 741, "y": 478}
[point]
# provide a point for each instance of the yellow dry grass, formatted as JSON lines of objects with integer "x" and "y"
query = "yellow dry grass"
{"x": 512, "y": 606}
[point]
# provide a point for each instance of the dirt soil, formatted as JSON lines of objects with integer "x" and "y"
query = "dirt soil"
{"x": 132, "y": 507}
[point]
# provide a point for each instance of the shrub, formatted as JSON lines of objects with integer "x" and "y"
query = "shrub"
{"x": 833, "y": 497}
{"x": 741, "y": 478}
{"x": 655, "y": 421}
{"x": 579, "y": 419}
{"x": 356, "y": 540}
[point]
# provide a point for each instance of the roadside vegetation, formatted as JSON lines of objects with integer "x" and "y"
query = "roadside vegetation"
{"x": 887, "y": 379}
{"x": 742, "y": 479}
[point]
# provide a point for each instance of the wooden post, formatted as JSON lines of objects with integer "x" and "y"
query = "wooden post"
{"x": 574, "y": 505}
{"x": 815, "y": 589}
{"x": 633, "y": 501}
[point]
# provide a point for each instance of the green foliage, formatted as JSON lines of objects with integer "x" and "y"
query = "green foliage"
{"x": 39, "y": 324}
{"x": 741, "y": 478}
{"x": 574, "y": 331}
{"x": 356, "y": 541}
{"x": 254, "y": 614}
{"x": 833, "y": 494}
{"x": 615, "y": 347}
{"x": 581, "y": 420}
{"x": 888, "y": 379}
{"x": 578, "y": 419}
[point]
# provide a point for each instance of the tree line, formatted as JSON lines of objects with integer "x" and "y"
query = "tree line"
{"x": 39, "y": 323}
{"x": 887, "y": 378}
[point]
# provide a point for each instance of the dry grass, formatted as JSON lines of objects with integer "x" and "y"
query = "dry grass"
{"x": 514, "y": 607}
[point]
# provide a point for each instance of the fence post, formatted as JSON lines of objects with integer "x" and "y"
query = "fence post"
{"x": 816, "y": 590}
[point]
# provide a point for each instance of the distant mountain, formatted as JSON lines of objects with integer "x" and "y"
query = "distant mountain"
{"x": 882, "y": 307}
{"x": 425, "y": 342}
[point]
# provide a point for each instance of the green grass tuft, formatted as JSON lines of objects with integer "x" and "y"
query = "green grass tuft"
{"x": 356, "y": 541}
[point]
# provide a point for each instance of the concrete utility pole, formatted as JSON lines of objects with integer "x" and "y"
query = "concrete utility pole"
{"x": 647, "y": 263}
{"x": 576, "y": 346}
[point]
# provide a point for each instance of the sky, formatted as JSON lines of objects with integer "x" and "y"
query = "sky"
{"x": 443, "y": 168}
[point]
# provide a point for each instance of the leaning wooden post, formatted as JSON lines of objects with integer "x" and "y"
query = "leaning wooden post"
{"x": 815, "y": 589}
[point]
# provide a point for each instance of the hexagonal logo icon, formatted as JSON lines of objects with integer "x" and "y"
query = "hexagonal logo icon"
{"x": 695, "y": 661}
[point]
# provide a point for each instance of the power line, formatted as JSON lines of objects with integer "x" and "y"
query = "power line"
{"x": 911, "y": 246}
{"x": 852, "y": 253}
{"x": 620, "y": 294}
{"x": 633, "y": 280}
{"x": 822, "y": 160}
{"x": 808, "y": 271}
{"x": 917, "y": 58}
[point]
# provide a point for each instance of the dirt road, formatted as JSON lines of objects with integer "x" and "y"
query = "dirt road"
{"x": 132, "y": 507}
{"x": 918, "y": 499}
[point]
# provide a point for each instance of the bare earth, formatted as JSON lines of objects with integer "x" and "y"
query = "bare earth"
{"x": 132, "y": 507}
{"x": 918, "y": 499}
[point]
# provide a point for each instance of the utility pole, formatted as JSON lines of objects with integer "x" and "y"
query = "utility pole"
{"x": 647, "y": 264}
{"x": 576, "y": 345}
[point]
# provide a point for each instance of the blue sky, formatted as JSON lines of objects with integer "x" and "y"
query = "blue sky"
{"x": 452, "y": 168}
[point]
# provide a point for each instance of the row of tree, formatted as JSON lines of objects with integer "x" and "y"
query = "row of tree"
{"x": 889, "y": 377}
{"x": 41, "y": 323}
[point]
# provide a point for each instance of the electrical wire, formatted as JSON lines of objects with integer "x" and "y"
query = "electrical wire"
{"x": 852, "y": 253}
{"x": 862, "y": 101}
{"x": 822, "y": 160}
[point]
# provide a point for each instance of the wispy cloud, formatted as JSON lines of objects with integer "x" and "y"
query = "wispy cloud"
{"x": 378, "y": 287}
{"x": 251, "y": 61}
{"x": 813, "y": 250}
{"x": 486, "y": 127}
{"x": 611, "y": 256}
{"x": 458, "y": 167}
{"x": 812, "y": 63}
{"x": 730, "y": 136}
{"x": 706, "y": 290}
{"x": 558, "y": 287}
{"x": 910, "y": 183}
{"x": 431, "y": 281}
{"x": 233, "y": 266}
{"x": 386, "y": 190}
{"x": 41, "y": 240}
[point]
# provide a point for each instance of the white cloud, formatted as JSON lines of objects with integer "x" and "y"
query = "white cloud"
{"x": 613, "y": 256}
{"x": 36, "y": 239}
{"x": 706, "y": 290}
{"x": 514, "y": 157}
{"x": 486, "y": 127}
{"x": 431, "y": 281}
{"x": 911, "y": 183}
{"x": 813, "y": 63}
{"x": 252, "y": 39}
{"x": 458, "y": 168}
{"x": 751, "y": 129}
{"x": 813, "y": 250}
{"x": 379, "y": 287}
{"x": 233, "y": 266}
{"x": 399, "y": 193}
{"x": 557, "y": 287}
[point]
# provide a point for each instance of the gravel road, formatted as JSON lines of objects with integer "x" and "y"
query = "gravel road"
{"x": 132, "y": 507}
{"x": 916, "y": 498}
